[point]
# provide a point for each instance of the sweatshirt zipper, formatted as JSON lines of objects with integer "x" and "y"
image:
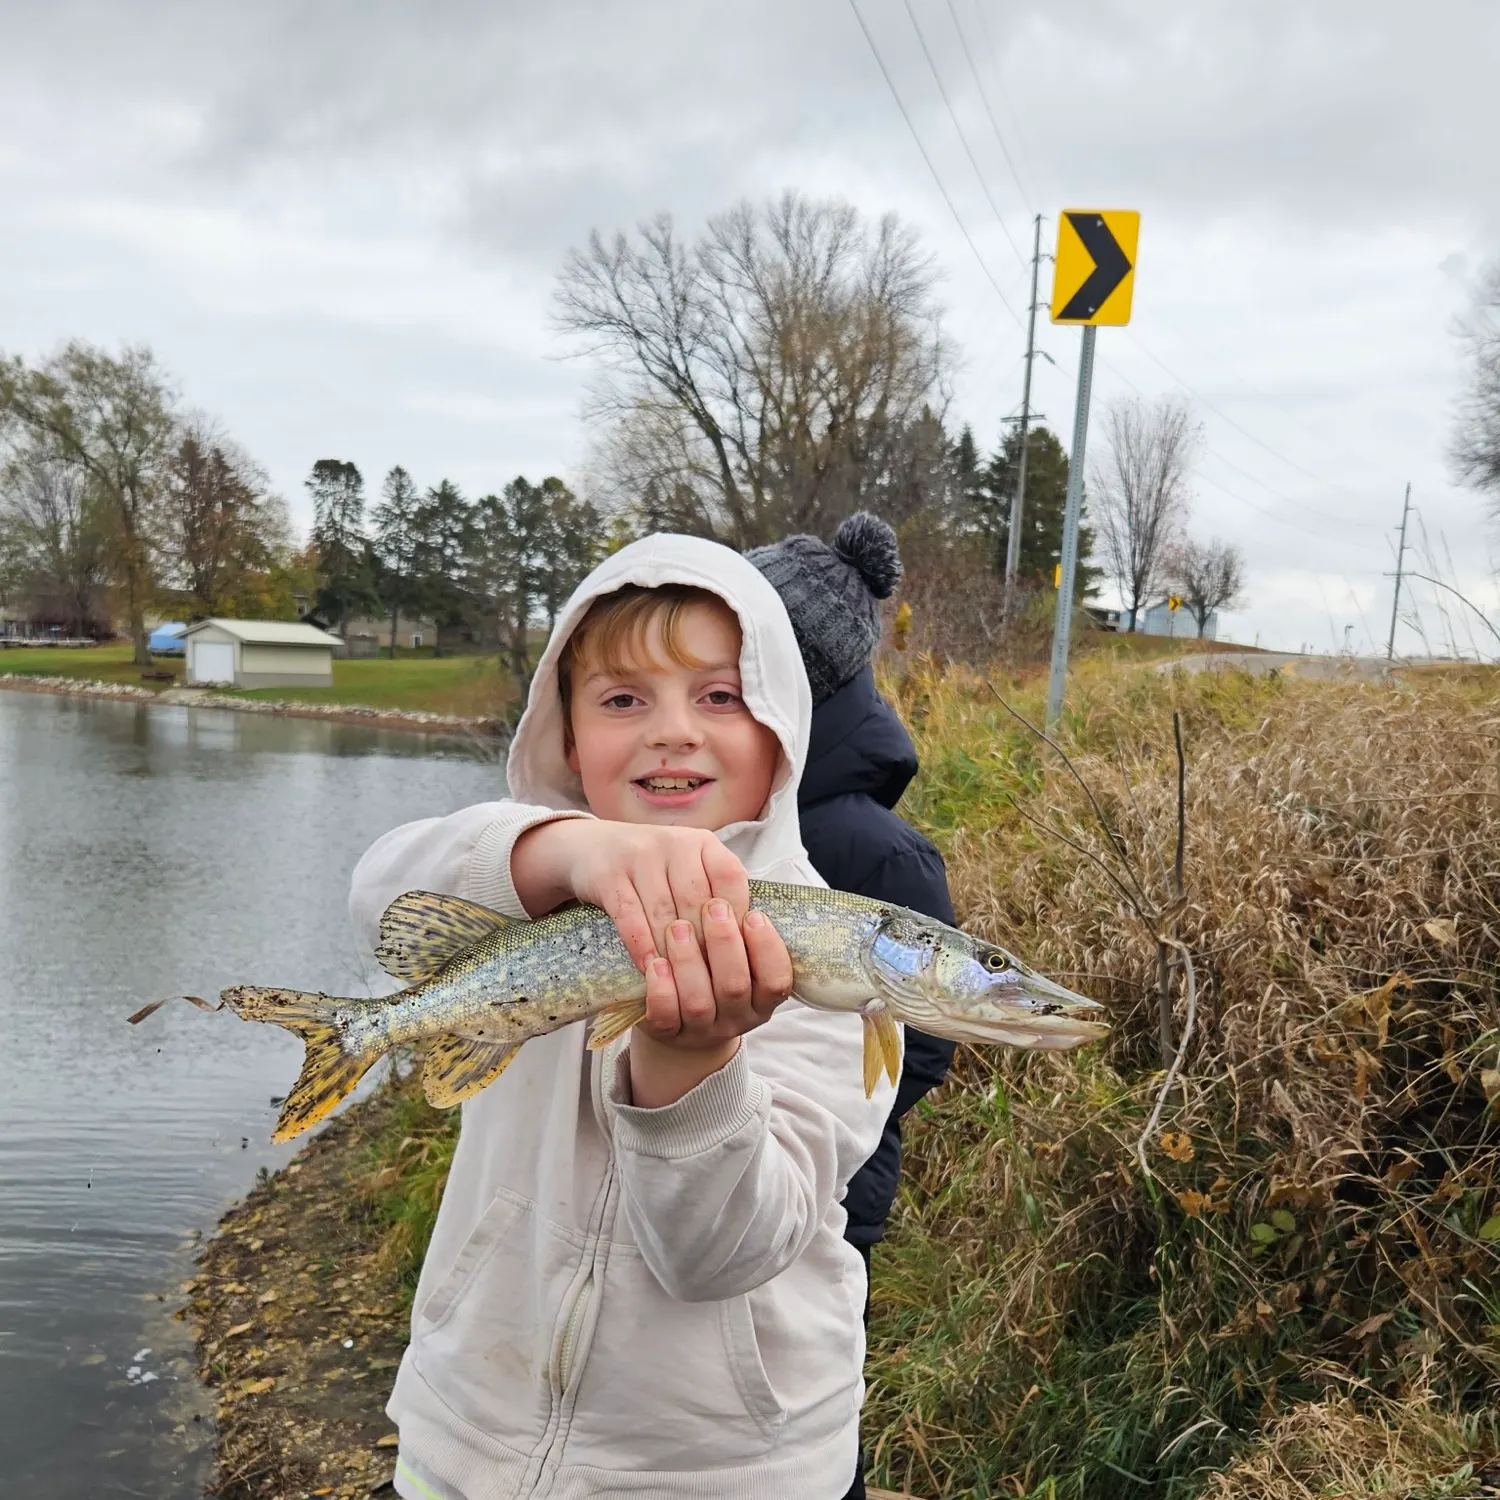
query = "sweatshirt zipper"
{"x": 573, "y": 1328}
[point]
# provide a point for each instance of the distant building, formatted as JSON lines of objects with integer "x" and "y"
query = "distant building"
{"x": 1104, "y": 619}
{"x": 1158, "y": 619}
{"x": 259, "y": 653}
{"x": 369, "y": 634}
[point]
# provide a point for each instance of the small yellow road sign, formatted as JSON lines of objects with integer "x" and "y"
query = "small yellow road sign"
{"x": 1174, "y": 603}
{"x": 1094, "y": 270}
{"x": 1057, "y": 575}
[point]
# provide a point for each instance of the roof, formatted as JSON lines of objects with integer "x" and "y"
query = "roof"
{"x": 271, "y": 632}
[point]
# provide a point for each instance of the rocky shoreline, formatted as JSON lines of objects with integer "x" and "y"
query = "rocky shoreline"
{"x": 343, "y": 713}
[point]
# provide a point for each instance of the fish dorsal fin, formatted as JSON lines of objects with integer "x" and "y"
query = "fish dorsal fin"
{"x": 457, "y": 1068}
{"x": 420, "y": 932}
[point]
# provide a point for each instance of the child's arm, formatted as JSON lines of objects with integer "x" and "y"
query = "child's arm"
{"x": 728, "y": 1186}
{"x": 466, "y": 854}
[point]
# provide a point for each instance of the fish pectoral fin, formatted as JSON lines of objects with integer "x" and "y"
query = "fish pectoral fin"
{"x": 421, "y": 931}
{"x": 458, "y": 1067}
{"x": 882, "y": 1048}
{"x": 615, "y": 1021}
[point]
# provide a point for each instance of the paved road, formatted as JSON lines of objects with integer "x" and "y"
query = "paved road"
{"x": 1260, "y": 663}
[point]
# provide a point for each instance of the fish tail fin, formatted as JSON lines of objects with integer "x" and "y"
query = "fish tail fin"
{"x": 329, "y": 1070}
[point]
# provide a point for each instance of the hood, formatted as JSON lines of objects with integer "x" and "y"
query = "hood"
{"x": 858, "y": 744}
{"x": 773, "y": 682}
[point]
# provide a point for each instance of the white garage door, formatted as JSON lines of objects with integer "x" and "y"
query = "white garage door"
{"x": 213, "y": 661}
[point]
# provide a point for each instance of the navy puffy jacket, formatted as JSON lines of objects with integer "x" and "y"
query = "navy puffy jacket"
{"x": 859, "y": 762}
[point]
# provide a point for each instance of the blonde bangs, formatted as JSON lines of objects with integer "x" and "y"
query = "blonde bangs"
{"x": 632, "y": 627}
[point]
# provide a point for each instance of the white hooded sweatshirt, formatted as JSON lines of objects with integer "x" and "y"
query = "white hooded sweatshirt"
{"x": 640, "y": 1302}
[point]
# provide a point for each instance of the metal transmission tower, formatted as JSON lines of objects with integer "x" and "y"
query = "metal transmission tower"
{"x": 1390, "y": 645}
{"x": 1018, "y": 500}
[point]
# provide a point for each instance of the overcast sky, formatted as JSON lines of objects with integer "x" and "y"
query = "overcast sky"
{"x": 339, "y": 224}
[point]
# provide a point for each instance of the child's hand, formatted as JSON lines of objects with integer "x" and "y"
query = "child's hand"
{"x": 645, "y": 876}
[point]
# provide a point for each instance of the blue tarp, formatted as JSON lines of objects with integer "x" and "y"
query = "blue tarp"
{"x": 166, "y": 639}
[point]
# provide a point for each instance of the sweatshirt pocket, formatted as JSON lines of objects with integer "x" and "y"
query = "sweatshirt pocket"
{"x": 483, "y": 1339}
{"x": 677, "y": 1385}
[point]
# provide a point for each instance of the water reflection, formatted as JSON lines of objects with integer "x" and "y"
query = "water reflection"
{"x": 146, "y": 851}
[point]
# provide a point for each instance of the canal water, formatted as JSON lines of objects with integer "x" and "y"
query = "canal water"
{"x": 149, "y": 851}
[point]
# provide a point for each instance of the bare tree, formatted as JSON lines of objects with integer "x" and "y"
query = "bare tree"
{"x": 762, "y": 378}
{"x": 1208, "y": 576}
{"x": 113, "y": 417}
{"x": 1476, "y": 442}
{"x": 1138, "y": 492}
{"x": 55, "y": 538}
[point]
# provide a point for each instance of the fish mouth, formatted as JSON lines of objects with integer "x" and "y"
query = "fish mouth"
{"x": 1030, "y": 1011}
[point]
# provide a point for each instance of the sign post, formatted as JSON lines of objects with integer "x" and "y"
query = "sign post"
{"x": 1093, "y": 283}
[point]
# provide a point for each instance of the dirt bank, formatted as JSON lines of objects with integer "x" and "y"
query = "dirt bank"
{"x": 338, "y": 713}
{"x": 299, "y": 1329}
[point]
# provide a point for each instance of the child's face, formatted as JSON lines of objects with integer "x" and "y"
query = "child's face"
{"x": 662, "y": 743}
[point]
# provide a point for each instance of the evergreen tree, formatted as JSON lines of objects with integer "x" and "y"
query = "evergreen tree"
{"x": 346, "y": 565}
{"x": 445, "y": 524}
{"x": 398, "y": 547}
{"x": 1042, "y": 518}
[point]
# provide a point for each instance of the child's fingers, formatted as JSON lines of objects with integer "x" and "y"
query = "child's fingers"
{"x": 663, "y": 1019}
{"x": 628, "y": 913}
{"x": 770, "y": 964}
{"x": 728, "y": 968}
{"x": 695, "y": 991}
{"x": 689, "y": 884}
{"x": 727, "y": 877}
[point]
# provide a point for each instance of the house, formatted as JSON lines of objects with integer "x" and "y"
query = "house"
{"x": 260, "y": 653}
{"x": 1103, "y": 618}
{"x": 372, "y": 630}
{"x": 1160, "y": 619}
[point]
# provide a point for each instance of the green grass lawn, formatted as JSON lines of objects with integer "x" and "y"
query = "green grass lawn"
{"x": 112, "y": 663}
{"x": 467, "y": 685}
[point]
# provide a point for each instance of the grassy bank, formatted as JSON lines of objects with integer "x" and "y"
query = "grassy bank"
{"x": 470, "y": 686}
{"x": 1300, "y": 1295}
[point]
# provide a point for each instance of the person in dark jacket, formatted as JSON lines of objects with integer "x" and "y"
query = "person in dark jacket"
{"x": 859, "y": 762}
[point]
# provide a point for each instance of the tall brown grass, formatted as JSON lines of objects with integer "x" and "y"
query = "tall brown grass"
{"x": 1318, "y": 1231}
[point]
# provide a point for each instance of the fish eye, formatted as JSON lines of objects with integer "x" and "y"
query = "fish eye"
{"x": 995, "y": 962}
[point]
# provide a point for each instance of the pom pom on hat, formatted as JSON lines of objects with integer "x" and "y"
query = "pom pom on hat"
{"x": 832, "y": 595}
{"x": 869, "y": 545}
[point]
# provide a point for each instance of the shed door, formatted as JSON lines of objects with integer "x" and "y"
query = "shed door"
{"x": 213, "y": 661}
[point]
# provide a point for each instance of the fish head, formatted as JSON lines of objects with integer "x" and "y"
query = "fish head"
{"x": 965, "y": 989}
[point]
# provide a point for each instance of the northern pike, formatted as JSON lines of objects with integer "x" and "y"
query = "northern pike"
{"x": 481, "y": 984}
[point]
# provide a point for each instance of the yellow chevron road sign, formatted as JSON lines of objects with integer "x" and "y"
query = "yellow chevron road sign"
{"x": 1094, "y": 269}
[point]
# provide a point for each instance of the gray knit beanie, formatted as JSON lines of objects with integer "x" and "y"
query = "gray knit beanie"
{"x": 833, "y": 593}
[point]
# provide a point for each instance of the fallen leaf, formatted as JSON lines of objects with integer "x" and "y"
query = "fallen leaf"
{"x": 1283, "y": 1221}
{"x": 236, "y": 1286}
{"x": 1177, "y": 1145}
{"x": 1489, "y": 1081}
{"x": 390, "y": 1440}
{"x": 1370, "y": 1325}
{"x": 1398, "y": 1172}
{"x": 266, "y": 1297}
{"x": 256, "y": 1245}
{"x": 1193, "y": 1204}
{"x": 238, "y": 1329}
{"x": 1490, "y": 1229}
{"x": 257, "y": 1387}
{"x": 1442, "y": 929}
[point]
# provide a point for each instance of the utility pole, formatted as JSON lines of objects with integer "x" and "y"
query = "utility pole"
{"x": 1018, "y": 500}
{"x": 1072, "y": 509}
{"x": 1390, "y": 645}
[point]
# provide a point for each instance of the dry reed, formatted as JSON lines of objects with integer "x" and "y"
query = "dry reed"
{"x": 1325, "y": 1184}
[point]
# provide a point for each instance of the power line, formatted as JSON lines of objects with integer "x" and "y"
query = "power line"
{"x": 891, "y": 84}
{"x": 984, "y": 96}
{"x": 1015, "y": 124}
{"x": 963, "y": 139}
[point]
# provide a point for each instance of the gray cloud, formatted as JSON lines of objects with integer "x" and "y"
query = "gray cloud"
{"x": 340, "y": 223}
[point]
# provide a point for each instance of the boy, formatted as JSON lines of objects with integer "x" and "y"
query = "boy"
{"x": 860, "y": 760}
{"x": 637, "y": 1284}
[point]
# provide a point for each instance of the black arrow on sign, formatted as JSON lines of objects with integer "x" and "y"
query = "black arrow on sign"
{"x": 1110, "y": 267}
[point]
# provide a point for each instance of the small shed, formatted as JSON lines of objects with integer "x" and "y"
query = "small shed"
{"x": 1161, "y": 619}
{"x": 260, "y": 653}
